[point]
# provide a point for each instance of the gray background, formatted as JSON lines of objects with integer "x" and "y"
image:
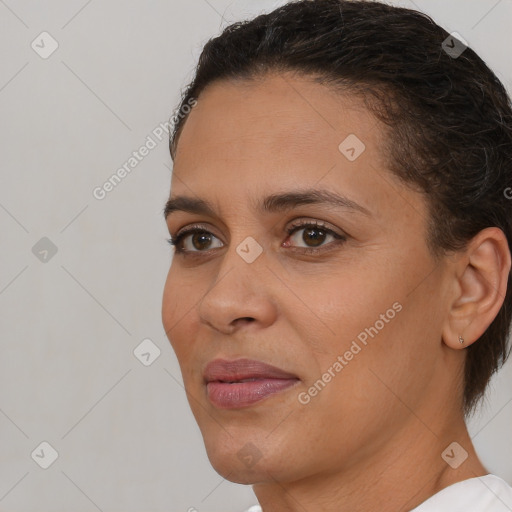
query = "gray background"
{"x": 70, "y": 321}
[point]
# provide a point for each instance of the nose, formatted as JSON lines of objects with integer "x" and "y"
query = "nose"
{"x": 240, "y": 294}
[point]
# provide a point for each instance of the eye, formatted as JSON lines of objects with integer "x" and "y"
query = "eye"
{"x": 197, "y": 239}
{"x": 200, "y": 239}
{"x": 314, "y": 234}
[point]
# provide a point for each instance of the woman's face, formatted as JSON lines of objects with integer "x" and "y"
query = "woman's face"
{"x": 358, "y": 320}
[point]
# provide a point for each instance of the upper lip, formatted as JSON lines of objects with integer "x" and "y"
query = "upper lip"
{"x": 239, "y": 369}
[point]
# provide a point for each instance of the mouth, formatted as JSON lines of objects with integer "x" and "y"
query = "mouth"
{"x": 236, "y": 395}
{"x": 237, "y": 381}
{"x": 243, "y": 382}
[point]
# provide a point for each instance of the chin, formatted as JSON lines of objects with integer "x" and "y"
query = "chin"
{"x": 237, "y": 458}
{"x": 236, "y": 467}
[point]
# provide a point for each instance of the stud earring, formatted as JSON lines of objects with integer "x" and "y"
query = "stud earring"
{"x": 461, "y": 339}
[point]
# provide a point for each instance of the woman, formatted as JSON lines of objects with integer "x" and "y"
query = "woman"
{"x": 340, "y": 293}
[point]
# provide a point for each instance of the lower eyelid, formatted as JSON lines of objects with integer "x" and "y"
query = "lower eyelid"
{"x": 322, "y": 249}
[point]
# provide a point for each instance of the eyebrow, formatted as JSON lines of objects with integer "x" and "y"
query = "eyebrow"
{"x": 273, "y": 203}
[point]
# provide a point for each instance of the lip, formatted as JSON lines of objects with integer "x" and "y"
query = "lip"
{"x": 240, "y": 369}
{"x": 226, "y": 391}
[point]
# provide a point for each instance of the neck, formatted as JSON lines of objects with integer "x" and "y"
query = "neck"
{"x": 399, "y": 476}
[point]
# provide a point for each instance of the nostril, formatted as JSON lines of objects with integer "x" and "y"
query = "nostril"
{"x": 244, "y": 320}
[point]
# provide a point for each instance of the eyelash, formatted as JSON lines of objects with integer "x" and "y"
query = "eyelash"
{"x": 339, "y": 239}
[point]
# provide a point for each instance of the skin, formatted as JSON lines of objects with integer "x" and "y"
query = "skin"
{"x": 372, "y": 438}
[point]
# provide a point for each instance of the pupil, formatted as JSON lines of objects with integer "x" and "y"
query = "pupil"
{"x": 203, "y": 238}
{"x": 317, "y": 240}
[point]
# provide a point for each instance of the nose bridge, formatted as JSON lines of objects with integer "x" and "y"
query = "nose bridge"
{"x": 244, "y": 255}
{"x": 240, "y": 269}
{"x": 238, "y": 290}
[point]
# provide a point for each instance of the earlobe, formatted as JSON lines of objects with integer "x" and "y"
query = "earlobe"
{"x": 480, "y": 282}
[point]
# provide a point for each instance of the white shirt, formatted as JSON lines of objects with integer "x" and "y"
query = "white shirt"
{"x": 488, "y": 493}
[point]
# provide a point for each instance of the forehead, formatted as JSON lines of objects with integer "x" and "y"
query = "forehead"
{"x": 277, "y": 111}
{"x": 277, "y": 133}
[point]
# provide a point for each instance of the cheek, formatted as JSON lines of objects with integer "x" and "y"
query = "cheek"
{"x": 335, "y": 304}
{"x": 178, "y": 307}
{"x": 387, "y": 358}
{"x": 362, "y": 315}
{"x": 169, "y": 302}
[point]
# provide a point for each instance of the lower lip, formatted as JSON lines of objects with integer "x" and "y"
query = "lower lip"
{"x": 243, "y": 394}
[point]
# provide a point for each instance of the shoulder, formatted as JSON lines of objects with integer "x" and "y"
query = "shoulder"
{"x": 488, "y": 493}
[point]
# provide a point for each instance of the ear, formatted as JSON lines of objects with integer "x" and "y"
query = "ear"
{"x": 480, "y": 285}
